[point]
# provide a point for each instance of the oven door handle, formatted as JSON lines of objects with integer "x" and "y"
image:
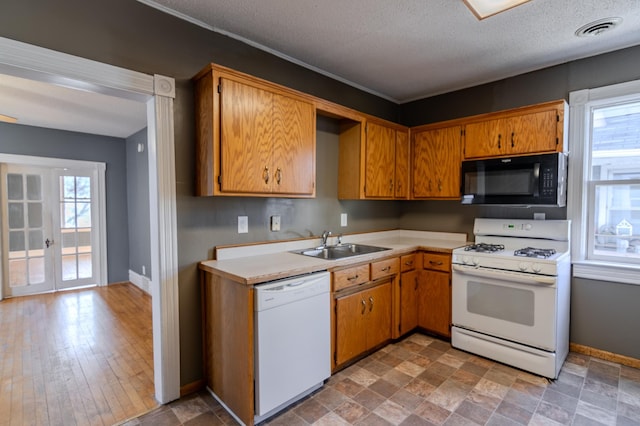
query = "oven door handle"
{"x": 518, "y": 277}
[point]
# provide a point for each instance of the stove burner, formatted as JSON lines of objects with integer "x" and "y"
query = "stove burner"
{"x": 484, "y": 247}
{"x": 535, "y": 252}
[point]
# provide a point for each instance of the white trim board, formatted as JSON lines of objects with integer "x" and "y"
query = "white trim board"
{"x": 37, "y": 63}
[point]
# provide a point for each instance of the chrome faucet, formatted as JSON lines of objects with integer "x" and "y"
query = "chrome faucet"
{"x": 325, "y": 235}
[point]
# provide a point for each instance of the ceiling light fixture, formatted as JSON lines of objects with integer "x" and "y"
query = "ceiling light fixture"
{"x": 485, "y": 8}
{"x": 8, "y": 119}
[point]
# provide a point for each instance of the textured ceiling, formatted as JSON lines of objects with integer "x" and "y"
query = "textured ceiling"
{"x": 410, "y": 49}
{"x": 400, "y": 50}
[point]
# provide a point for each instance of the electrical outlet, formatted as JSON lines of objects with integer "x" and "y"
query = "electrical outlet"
{"x": 343, "y": 219}
{"x": 275, "y": 223}
{"x": 243, "y": 224}
{"x": 144, "y": 270}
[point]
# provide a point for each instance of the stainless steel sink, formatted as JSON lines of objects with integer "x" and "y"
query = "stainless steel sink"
{"x": 339, "y": 251}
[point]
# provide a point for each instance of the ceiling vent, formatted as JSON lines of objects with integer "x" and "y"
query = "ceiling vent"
{"x": 598, "y": 27}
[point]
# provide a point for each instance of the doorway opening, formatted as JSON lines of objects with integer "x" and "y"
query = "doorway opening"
{"x": 157, "y": 93}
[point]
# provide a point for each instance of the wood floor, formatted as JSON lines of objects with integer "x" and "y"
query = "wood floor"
{"x": 82, "y": 357}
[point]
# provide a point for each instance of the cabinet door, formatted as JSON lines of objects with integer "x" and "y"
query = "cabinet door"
{"x": 351, "y": 339}
{"x": 437, "y": 161}
{"x": 378, "y": 322}
{"x": 532, "y": 133}
{"x": 408, "y": 301}
{"x": 402, "y": 164}
{"x": 379, "y": 161}
{"x": 294, "y": 146}
{"x": 485, "y": 139}
{"x": 246, "y": 116}
{"x": 434, "y": 306}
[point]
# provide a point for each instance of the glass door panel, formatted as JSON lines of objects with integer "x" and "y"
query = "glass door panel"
{"x": 77, "y": 255}
{"x": 27, "y": 231}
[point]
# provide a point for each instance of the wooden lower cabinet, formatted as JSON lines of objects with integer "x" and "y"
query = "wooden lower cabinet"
{"x": 409, "y": 297}
{"x": 434, "y": 306}
{"x": 434, "y": 294}
{"x": 363, "y": 321}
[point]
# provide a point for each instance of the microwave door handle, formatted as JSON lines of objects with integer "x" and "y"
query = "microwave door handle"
{"x": 536, "y": 173}
{"x": 514, "y": 277}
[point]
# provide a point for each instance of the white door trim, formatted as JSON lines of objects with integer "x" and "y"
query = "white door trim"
{"x": 28, "y": 61}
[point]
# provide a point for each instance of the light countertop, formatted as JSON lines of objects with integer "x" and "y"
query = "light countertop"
{"x": 258, "y": 263}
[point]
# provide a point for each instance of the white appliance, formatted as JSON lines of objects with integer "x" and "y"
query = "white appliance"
{"x": 510, "y": 293}
{"x": 292, "y": 341}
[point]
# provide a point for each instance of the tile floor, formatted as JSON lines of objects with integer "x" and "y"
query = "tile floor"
{"x": 424, "y": 381}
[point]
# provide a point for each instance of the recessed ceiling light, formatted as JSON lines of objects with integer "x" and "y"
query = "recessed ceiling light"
{"x": 8, "y": 119}
{"x": 598, "y": 27}
{"x": 485, "y": 8}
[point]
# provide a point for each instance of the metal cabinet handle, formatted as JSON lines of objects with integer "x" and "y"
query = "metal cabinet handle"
{"x": 391, "y": 185}
{"x": 499, "y": 138}
{"x": 278, "y": 175}
{"x": 385, "y": 269}
{"x": 355, "y": 277}
{"x": 364, "y": 307}
{"x": 409, "y": 263}
{"x": 435, "y": 263}
{"x": 512, "y": 142}
{"x": 370, "y": 303}
{"x": 265, "y": 175}
{"x": 440, "y": 185}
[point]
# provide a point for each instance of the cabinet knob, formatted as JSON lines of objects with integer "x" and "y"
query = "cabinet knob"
{"x": 265, "y": 175}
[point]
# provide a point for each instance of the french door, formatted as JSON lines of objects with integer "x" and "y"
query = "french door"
{"x": 49, "y": 220}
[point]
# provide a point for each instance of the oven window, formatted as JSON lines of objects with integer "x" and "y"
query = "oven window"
{"x": 514, "y": 305}
{"x": 503, "y": 182}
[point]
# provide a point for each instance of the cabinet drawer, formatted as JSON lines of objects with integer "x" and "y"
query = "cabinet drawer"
{"x": 384, "y": 268}
{"x": 408, "y": 262}
{"x": 437, "y": 261}
{"x": 350, "y": 277}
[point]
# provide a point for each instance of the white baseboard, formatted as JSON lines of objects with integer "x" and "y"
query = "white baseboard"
{"x": 140, "y": 281}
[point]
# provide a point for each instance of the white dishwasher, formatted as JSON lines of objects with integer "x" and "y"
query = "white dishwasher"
{"x": 292, "y": 340}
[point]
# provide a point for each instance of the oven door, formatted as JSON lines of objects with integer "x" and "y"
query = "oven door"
{"x": 515, "y": 306}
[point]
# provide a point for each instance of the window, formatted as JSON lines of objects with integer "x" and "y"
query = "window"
{"x": 604, "y": 198}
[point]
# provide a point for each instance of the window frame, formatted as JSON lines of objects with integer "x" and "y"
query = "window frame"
{"x": 581, "y": 188}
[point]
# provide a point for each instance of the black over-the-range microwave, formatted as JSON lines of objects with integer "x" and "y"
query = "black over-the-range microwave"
{"x": 539, "y": 180}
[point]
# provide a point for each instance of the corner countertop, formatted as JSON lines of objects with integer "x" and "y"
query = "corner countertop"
{"x": 259, "y": 263}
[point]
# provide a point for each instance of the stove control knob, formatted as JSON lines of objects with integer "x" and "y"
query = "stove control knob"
{"x": 536, "y": 267}
{"x": 523, "y": 266}
{"x": 465, "y": 260}
{"x": 475, "y": 261}
{"x": 527, "y": 227}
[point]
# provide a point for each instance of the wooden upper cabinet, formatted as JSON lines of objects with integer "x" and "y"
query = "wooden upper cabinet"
{"x": 253, "y": 137}
{"x": 402, "y": 164}
{"x": 294, "y": 146}
{"x": 436, "y": 162}
{"x": 529, "y": 130}
{"x": 373, "y": 161}
{"x": 380, "y": 159}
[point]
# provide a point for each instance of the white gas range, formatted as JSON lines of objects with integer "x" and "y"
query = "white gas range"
{"x": 510, "y": 293}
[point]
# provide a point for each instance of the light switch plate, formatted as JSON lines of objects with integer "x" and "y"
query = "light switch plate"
{"x": 343, "y": 219}
{"x": 275, "y": 223}
{"x": 243, "y": 224}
